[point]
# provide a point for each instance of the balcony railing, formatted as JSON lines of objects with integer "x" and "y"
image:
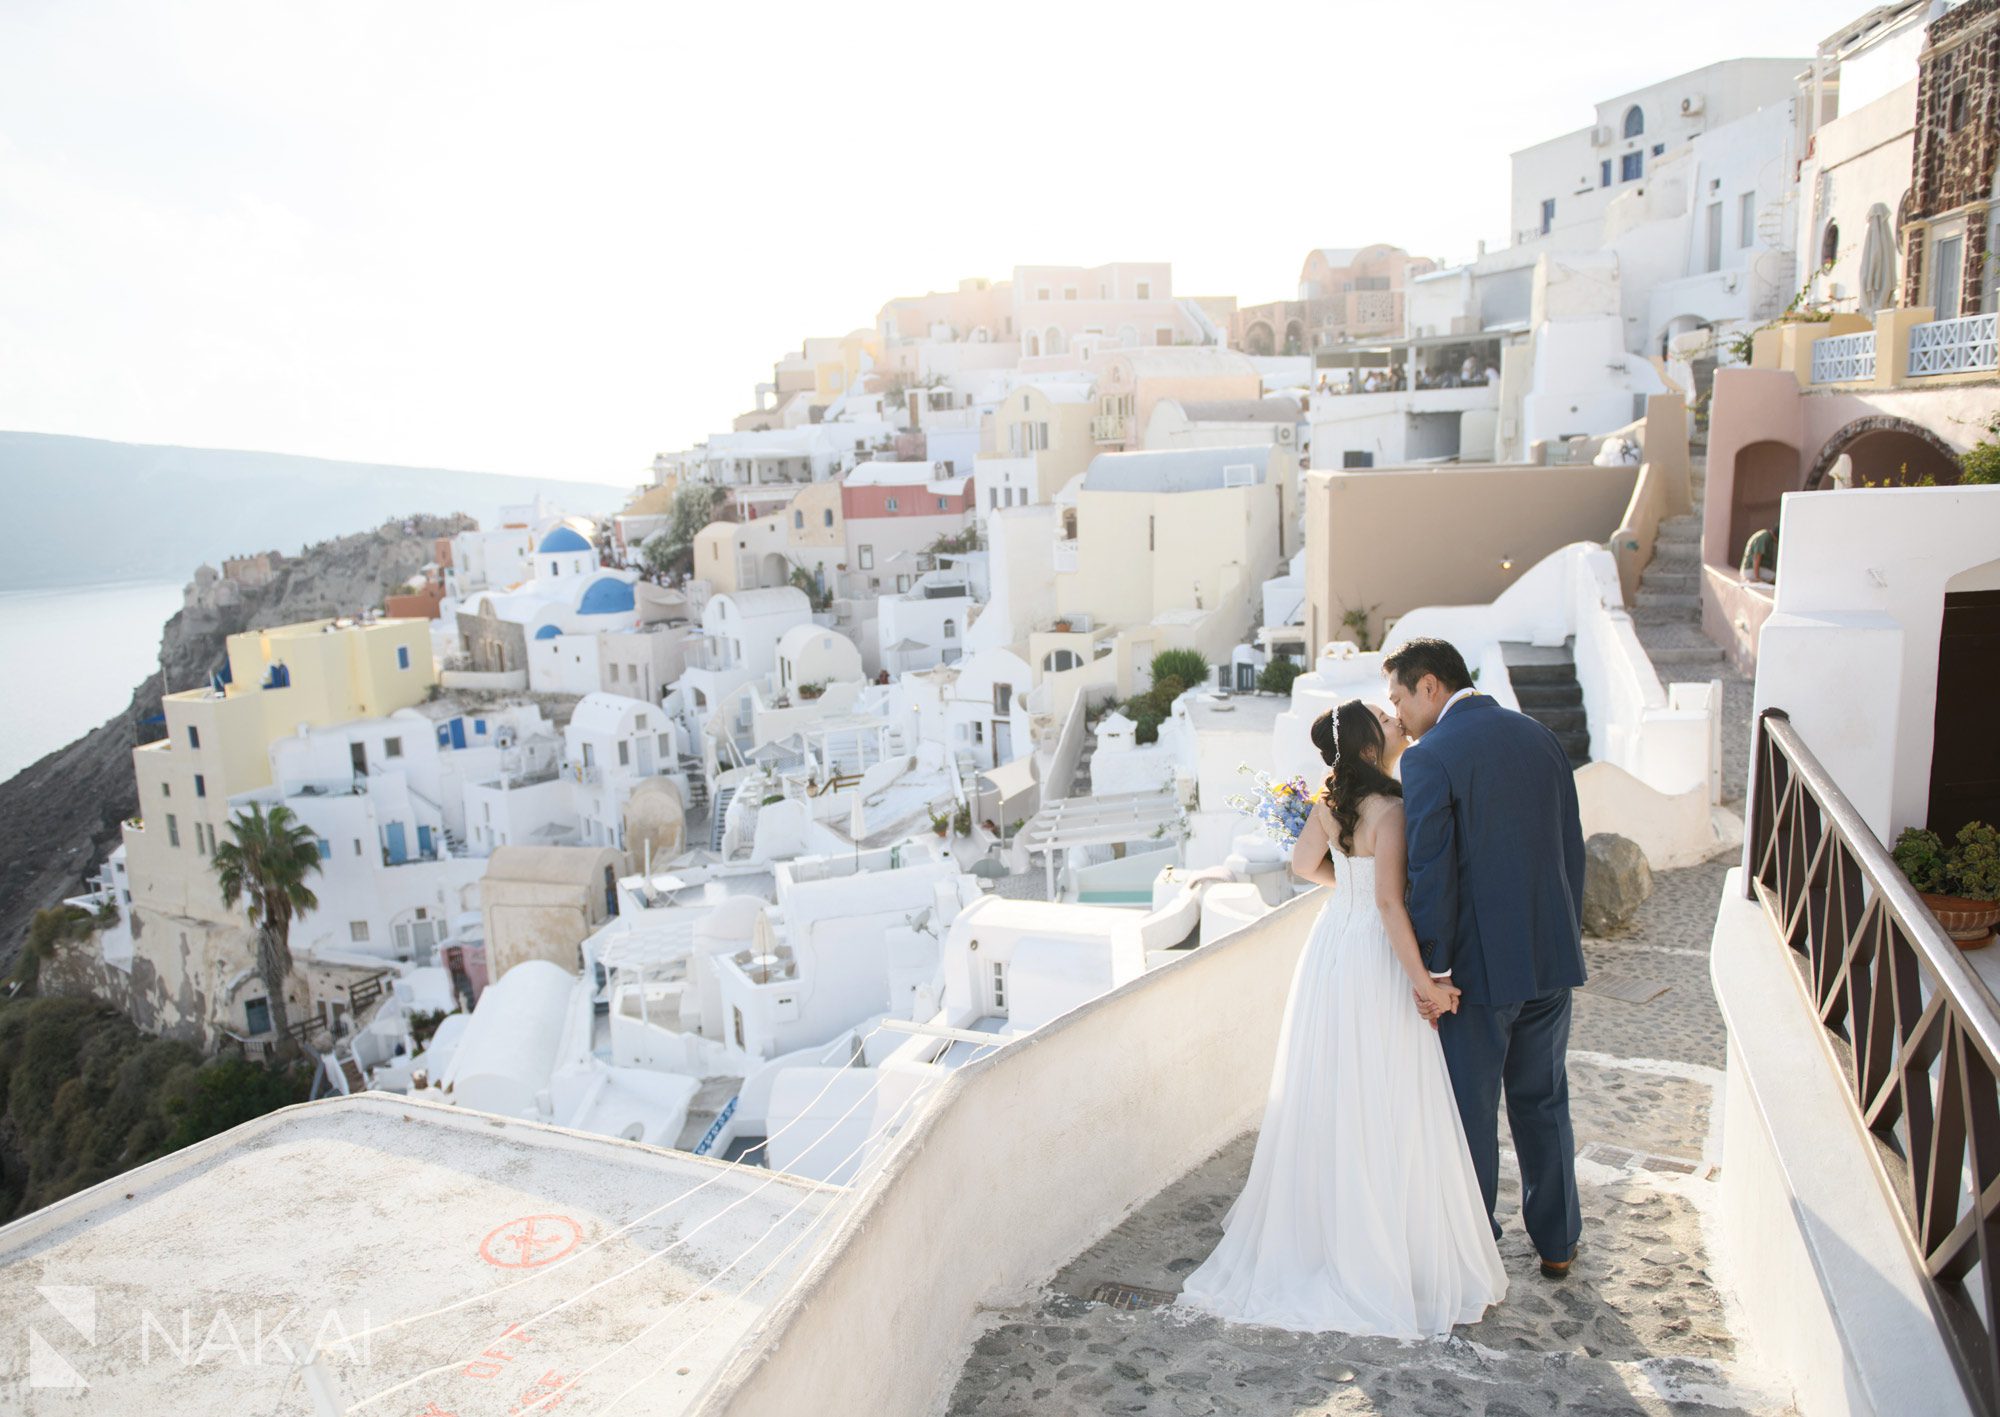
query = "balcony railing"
{"x": 1065, "y": 557}
{"x": 1949, "y": 346}
{"x": 1914, "y": 1032}
{"x": 1844, "y": 359}
{"x": 1109, "y": 427}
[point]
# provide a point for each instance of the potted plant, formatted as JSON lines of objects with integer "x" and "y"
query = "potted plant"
{"x": 1061, "y": 626}
{"x": 940, "y": 823}
{"x": 1960, "y": 883}
{"x": 961, "y": 821}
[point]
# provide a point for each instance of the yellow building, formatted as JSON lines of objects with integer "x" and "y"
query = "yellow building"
{"x": 1048, "y": 423}
{"x": 314, "y": 674}
{"x": 1168, "y": 550}
{"x": 807, "y": 533}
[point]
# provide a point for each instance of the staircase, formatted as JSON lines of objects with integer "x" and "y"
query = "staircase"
{"x": 697, "y": 781}
{"x": 1546, "y": 687}
{"x": 1667, "y": 610}
{"x": 722, "y": 800}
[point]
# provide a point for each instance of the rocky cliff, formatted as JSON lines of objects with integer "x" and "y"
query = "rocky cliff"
{"x": 59, "y": 817}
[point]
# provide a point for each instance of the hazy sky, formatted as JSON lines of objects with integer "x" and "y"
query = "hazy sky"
{"x": 556, "y": 238}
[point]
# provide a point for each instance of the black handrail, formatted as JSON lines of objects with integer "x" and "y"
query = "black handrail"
{"x": 1913, "y": 1029}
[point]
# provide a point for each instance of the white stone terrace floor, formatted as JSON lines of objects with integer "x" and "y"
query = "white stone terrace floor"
{"x": 1641, "y": 1326}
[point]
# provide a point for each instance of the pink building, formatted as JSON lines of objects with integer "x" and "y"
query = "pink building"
{"x": 894, "y": 513}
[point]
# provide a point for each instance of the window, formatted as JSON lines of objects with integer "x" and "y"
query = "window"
{"x": 590, "y": 755}
{"x": 624, "y": 754}
{"x": 357, "y": 846}
{"x": 325, "y": 849}
{"x": 1604, "y": 173}
{"x": 200, "y": 785}
{"x": 1003, "y": 698}
{"x": 1659, "y": 148}
{"x": 940, "y": 504}
{"x": 1632, "y": 167}
{"x": 902, "y": 583}
{"x": 1746, "y": 218}
{"x": 200, "y": 840}
{"x": 402, "y": 656}
{"x": 828, "y": 515}
{"x": 1548, "y": 214}
{"x": 1946, "y": 256}
{"x": 1151, "y": 540}
{"x": 392, "y": 747}
{"x": 357, "y": 931}
{"x": 1714, "y": 254}
{"x": 798, "y": 521}
{"x": 1955, "y": 108}
{"x": 166, "y": 789}
{"x": 194, "y": 736}
{"x": 999, "y": 984}
{"x": 173, "y": 831}
{"x": 865, "y": 557}
{"x": 951, "y": 629}
{"x": 1145, "y": 290}
{"x": 1829, "y": 243}
{"x": 978, "y": 731}
{"x": 992, "y": 497}
{"x": 1069, "y": 292}
{"x": 1042, "y": 293}
{"x": 1635, "y": 122}
{"x": 257, "y": 1017}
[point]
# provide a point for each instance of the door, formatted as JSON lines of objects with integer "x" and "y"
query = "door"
{"x": 458, "y": 733}
{"x": 1965, "y": 752}
{"x": 1946, "y": 263}
{"x": 357, "y": 753}
{"x": 1003, "y": 742}
{"x": 399, "y": 847}
{"x": 423, "y": 839}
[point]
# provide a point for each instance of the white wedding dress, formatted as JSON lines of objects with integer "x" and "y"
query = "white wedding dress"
{"x": 1362, "y": 1213}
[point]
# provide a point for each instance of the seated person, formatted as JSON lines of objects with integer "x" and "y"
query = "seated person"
{"x": 1760, "y": 557}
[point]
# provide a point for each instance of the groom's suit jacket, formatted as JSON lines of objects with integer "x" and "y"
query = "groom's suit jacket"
{"x": 1495, "y": 854}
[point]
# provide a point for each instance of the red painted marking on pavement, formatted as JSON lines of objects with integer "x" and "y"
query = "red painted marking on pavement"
{"x": 530, "y": 1241}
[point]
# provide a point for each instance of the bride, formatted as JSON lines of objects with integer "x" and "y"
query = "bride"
{"x": 1362, "y": 1213}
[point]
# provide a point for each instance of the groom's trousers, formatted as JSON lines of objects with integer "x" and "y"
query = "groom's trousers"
{"x": 1525, "y": 1047}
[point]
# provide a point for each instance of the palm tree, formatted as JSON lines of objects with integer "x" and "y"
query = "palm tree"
{"x": 266, "y": 865}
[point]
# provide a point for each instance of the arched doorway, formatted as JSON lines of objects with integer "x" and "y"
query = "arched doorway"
{"x": 1888, "y": 452}
{"x": 1295, "y": 337}
{"x": 1031, "y": 345}
{"x": 1260, "y": 338}
{"x": 1052, "y": 340}
{"x": 775, "y": 570}
{"x": 1765, "y": 471}
{"x": 1965, "y": 752}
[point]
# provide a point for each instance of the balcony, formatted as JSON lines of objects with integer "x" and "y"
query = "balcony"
{"x": 1110, "y": 427}
{"x": 1065, "y": 558}
{"x": 713, "y": 655}
{"x": 1844, "y": 359}
{"x": 1959, "y": 346}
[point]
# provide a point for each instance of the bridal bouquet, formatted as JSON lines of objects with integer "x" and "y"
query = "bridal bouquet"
{"x": 1279, "y": 806}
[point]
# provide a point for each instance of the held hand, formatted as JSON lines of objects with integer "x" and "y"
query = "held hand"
{"x": 1436, "y": 999}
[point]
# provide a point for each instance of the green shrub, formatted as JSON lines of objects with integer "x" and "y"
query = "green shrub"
{"x": 1276, "y": 677}
{"x": 1975, "y": 862}
{"x": 1968, "y": 868}
{"x": 1186, "y": 665}
{"x": 961, "y": 820}
{"x": 1919, "y": 855}
{"x": 1979, "y": 466}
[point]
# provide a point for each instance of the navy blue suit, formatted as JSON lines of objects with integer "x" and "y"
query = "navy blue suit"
{"x": 1496, "y": 896}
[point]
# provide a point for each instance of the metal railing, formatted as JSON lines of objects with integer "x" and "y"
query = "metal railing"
{"x": 1844, "y": 359}
{"x": 1914, "y": 1033}
{"x": 1952, "y": 346}
{"x": 1108, "y": 427}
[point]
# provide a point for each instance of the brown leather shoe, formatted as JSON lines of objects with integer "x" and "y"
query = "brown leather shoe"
{"x": 1558, "y": 1269}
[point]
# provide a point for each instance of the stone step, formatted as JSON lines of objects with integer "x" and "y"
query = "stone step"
{"x": 1563, "y": 722}
{"x": 1562, "y": 673}
{"x": 1532, "y": 695}
{"x": 1684, "y": 656}
{"x": 1668, "y": 599}
{"x": 1668, "y": 578}
{"x": 1664, "y": 614}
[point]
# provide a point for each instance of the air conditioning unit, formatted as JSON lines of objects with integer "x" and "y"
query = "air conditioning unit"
{"x": 1691, "y": 106}
{"x": 1600, "y": 136}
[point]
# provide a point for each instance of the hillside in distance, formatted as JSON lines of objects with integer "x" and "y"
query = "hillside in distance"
{"x": 103, "y": 511}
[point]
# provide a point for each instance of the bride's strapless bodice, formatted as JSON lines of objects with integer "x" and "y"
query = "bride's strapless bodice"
{"x": 1353, "y": 883}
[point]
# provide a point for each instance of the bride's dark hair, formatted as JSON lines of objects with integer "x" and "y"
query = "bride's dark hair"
{"x": 1342, "y": 736}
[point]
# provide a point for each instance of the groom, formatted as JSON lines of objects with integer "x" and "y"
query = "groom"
{"x": 1496, "y": 895}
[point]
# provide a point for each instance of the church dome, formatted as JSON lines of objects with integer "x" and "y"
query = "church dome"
{"x": 607, "y": 596}
{"x": 563, "y": 538}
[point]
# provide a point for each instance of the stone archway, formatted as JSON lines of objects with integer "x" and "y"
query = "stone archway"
{"x": 1260, "y": 338}
{"x": 1295, "y": 337}
{"x": 1764, "y": 472}
{"x": 1887, "y": 451}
